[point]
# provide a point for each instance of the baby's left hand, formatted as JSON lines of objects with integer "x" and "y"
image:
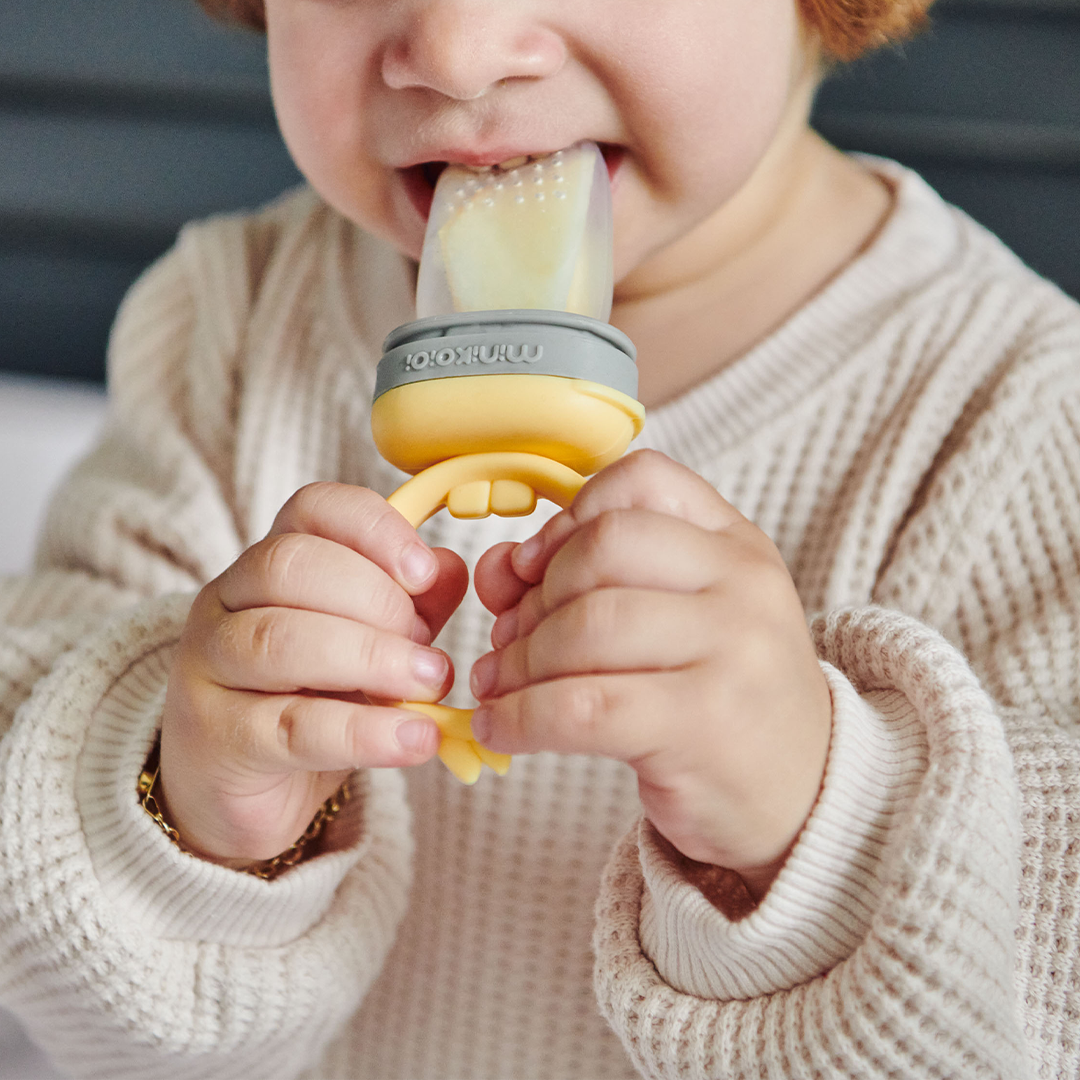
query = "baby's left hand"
{"x": 652, "y": 623}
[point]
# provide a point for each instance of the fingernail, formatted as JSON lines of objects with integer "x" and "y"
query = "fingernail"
{"x": 505, "y": 629}
{"x": 430, "y": 667}
{"x": 421, "y": 632}
{"x": 416, "y": 736}
{"x": 482, "y": 724}
{"x": 482, "y": 676}
{"x": 527, "y": 552}
{"x": 418, "y": 565}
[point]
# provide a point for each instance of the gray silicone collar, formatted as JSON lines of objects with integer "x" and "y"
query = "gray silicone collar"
{"x": 520, "y": 341}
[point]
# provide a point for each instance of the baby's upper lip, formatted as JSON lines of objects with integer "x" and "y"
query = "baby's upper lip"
{"x": 419, "y": 173}
{"x": 477, "y": 158}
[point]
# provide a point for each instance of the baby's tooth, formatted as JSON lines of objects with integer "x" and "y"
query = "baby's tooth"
{"x": 514, "y": 162}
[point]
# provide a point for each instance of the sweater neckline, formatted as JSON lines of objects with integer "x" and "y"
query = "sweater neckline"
{"x": 914, "y": 243}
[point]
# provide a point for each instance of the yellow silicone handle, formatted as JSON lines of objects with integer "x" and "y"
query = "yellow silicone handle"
{"x": 423, "y": 496}
{"x": 427, "y": 492}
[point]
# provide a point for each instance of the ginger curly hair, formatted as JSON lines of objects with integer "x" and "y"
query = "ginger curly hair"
{"x": 846, "y": 28}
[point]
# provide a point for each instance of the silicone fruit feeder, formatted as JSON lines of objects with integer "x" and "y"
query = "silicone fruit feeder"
{"x": 510, "y": 384}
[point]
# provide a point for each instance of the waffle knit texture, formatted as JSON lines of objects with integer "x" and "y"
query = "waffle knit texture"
{"x": 911, "y": 441}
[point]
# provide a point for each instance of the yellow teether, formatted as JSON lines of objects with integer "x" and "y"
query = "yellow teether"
{"x": 459, "y": 751}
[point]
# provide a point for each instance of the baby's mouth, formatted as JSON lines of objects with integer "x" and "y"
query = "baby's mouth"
{"x": 420, "y": 180}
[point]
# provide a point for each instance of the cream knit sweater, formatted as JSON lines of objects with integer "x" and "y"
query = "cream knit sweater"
{"x": 910, "y": 439}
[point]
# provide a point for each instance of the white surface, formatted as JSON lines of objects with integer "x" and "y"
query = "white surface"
{"x": 19, "y": 1058}
{"x": 45, "y": 426}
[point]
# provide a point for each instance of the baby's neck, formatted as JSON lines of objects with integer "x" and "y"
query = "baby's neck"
{"x": 780, "y": 242}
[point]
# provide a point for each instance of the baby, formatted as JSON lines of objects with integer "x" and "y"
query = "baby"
{"x": 793, "y": 689}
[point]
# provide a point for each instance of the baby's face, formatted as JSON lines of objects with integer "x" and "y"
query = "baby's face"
{"x": 684, "y": 97}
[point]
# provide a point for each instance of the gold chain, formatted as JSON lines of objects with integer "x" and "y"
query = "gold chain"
{"x": 268, "y": 869}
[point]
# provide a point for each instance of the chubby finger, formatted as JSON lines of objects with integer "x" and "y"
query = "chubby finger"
{"x": 497, "y": 585}
{"x": 280, "y": 650}
{"x": 645, "y": 550}
{"x": 299, "y": 570}
{"x": 618, "y": 716}
{"x": 281, "y": 733}
{"x": 317, "y": 734}
{"x": 605, "y": 630}
{"x": 643, "y": 480}
{"x": 364, "y": 521}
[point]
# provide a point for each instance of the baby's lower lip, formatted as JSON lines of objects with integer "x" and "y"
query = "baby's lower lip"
{"x": 419, "y": 180}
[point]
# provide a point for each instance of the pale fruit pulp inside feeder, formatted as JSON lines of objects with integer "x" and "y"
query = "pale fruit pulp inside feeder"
{"x": 536, "y": 235}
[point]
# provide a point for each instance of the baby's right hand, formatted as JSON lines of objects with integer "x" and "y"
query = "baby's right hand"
{"x": 273, "y": 693}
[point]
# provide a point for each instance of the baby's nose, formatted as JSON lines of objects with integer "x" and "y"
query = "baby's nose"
{"x": 462, "y": 48}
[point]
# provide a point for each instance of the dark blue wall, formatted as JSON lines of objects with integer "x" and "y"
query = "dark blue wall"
{"x": 987, "y": 107}
{"x": 121, "y": 119}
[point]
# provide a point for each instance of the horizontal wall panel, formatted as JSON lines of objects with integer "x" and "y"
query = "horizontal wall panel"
{"x": 986, "y": 105}
{"x": 151, "y": 44}
{"x": 149, "y": 175}
{"x": 1037, "y": 214}
{"x": 942, "y": 138}
{"x": 972, "y": 65}
{"x": 56, "y": 310}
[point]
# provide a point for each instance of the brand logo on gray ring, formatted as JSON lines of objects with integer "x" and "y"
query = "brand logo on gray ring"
{"x": 474, "y": 354}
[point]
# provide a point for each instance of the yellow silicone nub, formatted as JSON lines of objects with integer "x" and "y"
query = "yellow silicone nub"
{"x": 459, "y": 751}
{"x": 583, "y": 424}
{"x": 499, "y": 763}
{"x": 461, "y": 759}
{"x": 512, "y": 498}
{"x": 470, "y": 500}
{"x": 426, "y": 493}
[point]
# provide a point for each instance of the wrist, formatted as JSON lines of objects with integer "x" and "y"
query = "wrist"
{"x": 151, "y": 795}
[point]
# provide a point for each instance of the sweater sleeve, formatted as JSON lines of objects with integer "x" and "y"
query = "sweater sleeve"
{"x": 120, "y": 954}
{"x": 927, "y": 985}
{"x": 822, "y": 902}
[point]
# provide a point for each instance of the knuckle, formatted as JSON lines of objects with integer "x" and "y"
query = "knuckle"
{"x": 219, "y": 647}
{"x": 237, "y": 726}
{"x": 376, "y": 520}
{"x": 375, "y": 655}
{"x": 608, "y": 530}
{"x": 599, "y": 615}
{"x": 282, "y": 561}
{"x": 775, "y": 594}
{"x": 647, "y": 463}
{"x": 584, "y": 705}
{"x": 388, "y": 606}
{"x": 536, "y": 657}
{"x": 531, "y": 610}
{"x": 267, "y": 637}
{"x": 649, "y": 471}
{"x": 290, "y": 727}
{"x": 306, "y": 504}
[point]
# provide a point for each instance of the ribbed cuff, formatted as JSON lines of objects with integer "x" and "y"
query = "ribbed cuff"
{"x": 820, "y": 905}
{"x": 149, "y": 880}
